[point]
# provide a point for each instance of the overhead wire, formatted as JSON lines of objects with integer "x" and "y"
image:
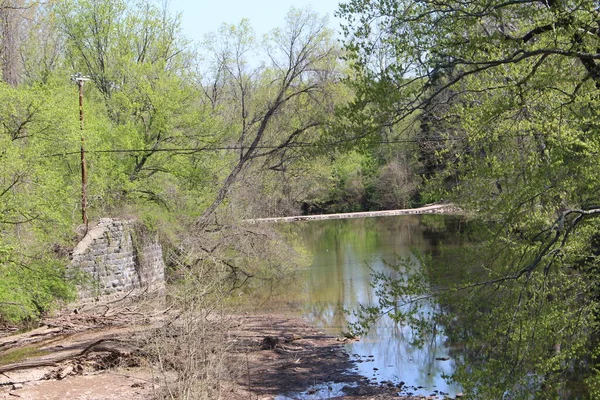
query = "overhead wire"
{"x": 191, "y": 150}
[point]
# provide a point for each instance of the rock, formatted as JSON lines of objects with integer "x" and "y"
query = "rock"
{"x": 269, "y": 342}
{"x": 65, "y": 372}
{"x": 350, "y": 335}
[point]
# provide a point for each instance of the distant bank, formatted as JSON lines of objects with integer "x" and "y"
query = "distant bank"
{"x": 428, "y": 209}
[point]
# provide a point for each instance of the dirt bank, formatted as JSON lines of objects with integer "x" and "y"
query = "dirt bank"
{"x": 93, "y": 356}
{"x": 287, "y": 358}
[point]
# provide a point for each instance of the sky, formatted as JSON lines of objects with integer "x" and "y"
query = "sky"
{"x": 200, "y": 17}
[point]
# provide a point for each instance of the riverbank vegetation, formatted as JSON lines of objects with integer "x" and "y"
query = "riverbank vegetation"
{"x": 506, "y": 95}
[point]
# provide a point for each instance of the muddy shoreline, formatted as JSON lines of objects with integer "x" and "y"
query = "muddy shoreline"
{"x": 272, "y": 357}
{"x": 305, "y": 363}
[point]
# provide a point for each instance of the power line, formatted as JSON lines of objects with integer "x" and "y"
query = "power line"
{"x": 191, "y": 150}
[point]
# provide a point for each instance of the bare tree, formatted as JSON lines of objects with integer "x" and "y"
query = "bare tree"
{"x": 10, "y": 15}
{"x": 276, "y": 106}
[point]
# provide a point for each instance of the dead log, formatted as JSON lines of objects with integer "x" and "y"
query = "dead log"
{"x": 27, "y": 365}
{"x": 33, "y": 336}
{"x": 103, "y": 345}
{"x": 119, "y": 348}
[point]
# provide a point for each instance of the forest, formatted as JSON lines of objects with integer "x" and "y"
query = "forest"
{"x": 489, "y": 104}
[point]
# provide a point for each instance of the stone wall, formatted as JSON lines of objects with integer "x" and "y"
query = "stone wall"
{"x": 118, "y": 257}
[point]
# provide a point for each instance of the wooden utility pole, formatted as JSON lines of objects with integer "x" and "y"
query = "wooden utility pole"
{"x": 80, "y": 81}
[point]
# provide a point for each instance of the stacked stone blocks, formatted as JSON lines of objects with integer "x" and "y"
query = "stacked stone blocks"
{"x": 118, "y": 257}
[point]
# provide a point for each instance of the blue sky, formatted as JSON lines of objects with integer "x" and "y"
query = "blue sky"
{"x": 200, "y": 17}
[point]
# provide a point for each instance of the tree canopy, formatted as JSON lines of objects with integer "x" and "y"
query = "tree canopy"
{"x": 508, "y": 93}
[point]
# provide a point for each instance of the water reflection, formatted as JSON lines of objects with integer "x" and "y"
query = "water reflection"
{"x": 339, "y": 278}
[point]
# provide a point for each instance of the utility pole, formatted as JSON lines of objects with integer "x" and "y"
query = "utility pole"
{"x": 80, "y": 79}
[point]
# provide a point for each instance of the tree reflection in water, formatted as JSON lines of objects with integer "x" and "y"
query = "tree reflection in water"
{"x": 345, "y": 252}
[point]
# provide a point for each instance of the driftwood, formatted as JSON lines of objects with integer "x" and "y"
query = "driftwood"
{"x": 27, "y": 365}
{"x": 117, "y": 347}
{"x": 102, "y": 345}
{"x": 36, "y": 335}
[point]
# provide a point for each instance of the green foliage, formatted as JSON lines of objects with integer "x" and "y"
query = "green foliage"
{"x": 32, "y": 136}
{"x": 30, "y": 285}
{"x": 526, "y": 337}
{"x": 275, "y": 112}
{"x": 506, "y": 96}
{"x": 38, "y": 198}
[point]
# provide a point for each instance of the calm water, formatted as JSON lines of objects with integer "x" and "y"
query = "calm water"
{"x": 344, "y": 252}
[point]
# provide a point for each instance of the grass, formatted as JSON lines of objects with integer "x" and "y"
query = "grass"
{"x": 17, "y": 355}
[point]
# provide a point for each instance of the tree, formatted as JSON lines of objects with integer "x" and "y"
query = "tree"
{"x": 275, "y": 108}
{"x": 38, "y": 194}
{"x": 138, "y": 62}
{"x": 42, "y": 53}
{"x": 517, "y": 83}
{"x": 14, "y": 16}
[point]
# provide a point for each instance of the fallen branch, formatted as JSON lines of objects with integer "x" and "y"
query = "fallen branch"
{"x": 28, "y": 364}
{"x": 33, "y": 336}
{"x": 98, "y": 346}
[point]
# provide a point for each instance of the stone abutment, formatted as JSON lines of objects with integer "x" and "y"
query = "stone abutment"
{"x": 118, "y": 257}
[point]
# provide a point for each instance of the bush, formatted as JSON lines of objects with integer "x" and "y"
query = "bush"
{"x": 31, "y": 287}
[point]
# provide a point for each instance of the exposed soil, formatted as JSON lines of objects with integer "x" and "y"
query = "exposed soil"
{"x": 93, "y": 356}
{"x": 285, "y": 355}
{"x": 286, "y": 358}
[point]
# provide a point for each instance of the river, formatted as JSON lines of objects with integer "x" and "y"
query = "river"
{"x": 344, "y": 253}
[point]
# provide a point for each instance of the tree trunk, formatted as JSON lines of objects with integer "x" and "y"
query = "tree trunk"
{"x": 10, "y": 41}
